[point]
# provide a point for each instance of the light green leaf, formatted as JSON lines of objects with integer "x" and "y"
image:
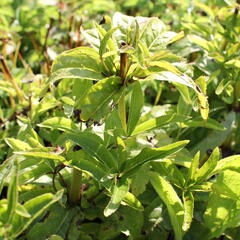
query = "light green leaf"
{"x": 188, "y": 203}
{"x": 85, "y": 162}
{"x": 12, "y": 194}
{"x": 95, "y": 103}
{"x": 215, "y": 138}
{"x": 46, "y": 155}
{"x": 231, "y": 163}
{"x": 22, "y": 211}
{"x": 171, "y": 77}
{"x": 152, "y": 123}
{"x": 104, "y": 43}
{"x": 165, "y": 65}
{"x": 136, "y": 104}
{"x": 194, "y": 166}
{"x": 17, "y": 145}
{"x": 174, "y": 205}
{"x": 207, "y": 45}
{"x": 205, "y": 171}
{"x": 60, "y": 123}
{"x": 150, "y": 154}
{"x": 5, "y": 169}
{"x": 222, "y": 210}
{"x": 94, "y": 146}
{"x": 209, "y": 123}
{"x": 82, "y": 57}
{"x": 35, "y": 207}
{"x": 119, "y": 192}
{"x": 233, "y": 63}
{"x": 79, "y": 73}
{"x": 132, "y": 202}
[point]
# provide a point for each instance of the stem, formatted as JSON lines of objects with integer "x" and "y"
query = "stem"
{"x": 16, "y": 54}
{"x": 121, "y": 104}
{"x": 75, "y": 189}
{"x": 11, "y": 79}
{"x": 122, "y": 111}
{"x": 47, "y": 34}
{"x": 123, "y": 67}
{"x": 159, "y": 93}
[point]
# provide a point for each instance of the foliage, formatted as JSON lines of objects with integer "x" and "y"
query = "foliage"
{"x": 123, "y": 129}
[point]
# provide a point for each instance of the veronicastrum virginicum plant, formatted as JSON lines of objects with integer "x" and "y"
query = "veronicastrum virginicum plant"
{"x": 107, "y": 81}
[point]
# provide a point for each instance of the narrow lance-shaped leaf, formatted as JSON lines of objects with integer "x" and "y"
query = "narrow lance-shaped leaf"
{"x": 93, "y": 145}
{"x": 188, "y": 203}
{"x": 95, "y": 104}
{"x": 157, "y": 122}
{"x": 12, "y": 194}
{"x": 120, "y": 190}
{"x": 17, "y": 144}
{"x": 174, "y": 205}
{"x": 149, "y": 154}
{"x": 136, "y": 105}
{"x": 208, "y": 167}
{"x": 193, "y": 167}
{"x": 35, "y": 207}
{"x": 80, "y": 58}
{"x": 85, "y": 162}
{"x": 79, "y": 73}
{"x": 132, "y": 202}
{"x": 46, "y": 155}
{"x": 104, "y": 43}
{"x": 171, "y": 77}
{"x": 5, "y": 168}
{"x": 60, "y": 123}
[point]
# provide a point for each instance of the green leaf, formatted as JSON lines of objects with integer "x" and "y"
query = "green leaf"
{"x": 105, "y": 40}
{"x": 95, "y": 103}
{"x": 17, "y": 145}
{"x": 120, "y": 190}
{"x": 5, "y": 169}
{"x": 207, "y": 45}
{"x": 165, "y": 65}
{"x": 35, "y": 207}
{"x": 231, "y": 163}
{"x": 85, "y": 162}
{"x": 79, "y": 73}
{"x": 194, "y": 166}
{"x": 170, "y": 171}
{"x": 204, "y": 172}
{"x": 56, "y": 221}
{"x": 222, "y": 210}
{"x": 132, "y": 202}
{"x": 136, "y": 104}
{"x": 215, "y": 138}
{"x": 55, "y": 237}
{"x": 150, "y": 154}
{"x": 188, "y": 204}
{"x": 171, "y": 77}
{"x": 82, "y": 57}
{"x": 152, "y": 123}
{"x": 93, "y": 145}
{"x": 12, "y": 194}
{"x": 60, "y": 123}
{"x": 22, "y": 211}
{"x": 209, "y": 123}
{"x": 45, "y": 155}
{"x": 174, "y": 205}
{"x": 48, "y": 102}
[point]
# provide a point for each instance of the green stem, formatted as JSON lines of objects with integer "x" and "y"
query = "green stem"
{"x": 121, "y": 104}
{"x": 75, "y": 189}
{"x": 159, "y": 93}
{"x": 122, "y": 111}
